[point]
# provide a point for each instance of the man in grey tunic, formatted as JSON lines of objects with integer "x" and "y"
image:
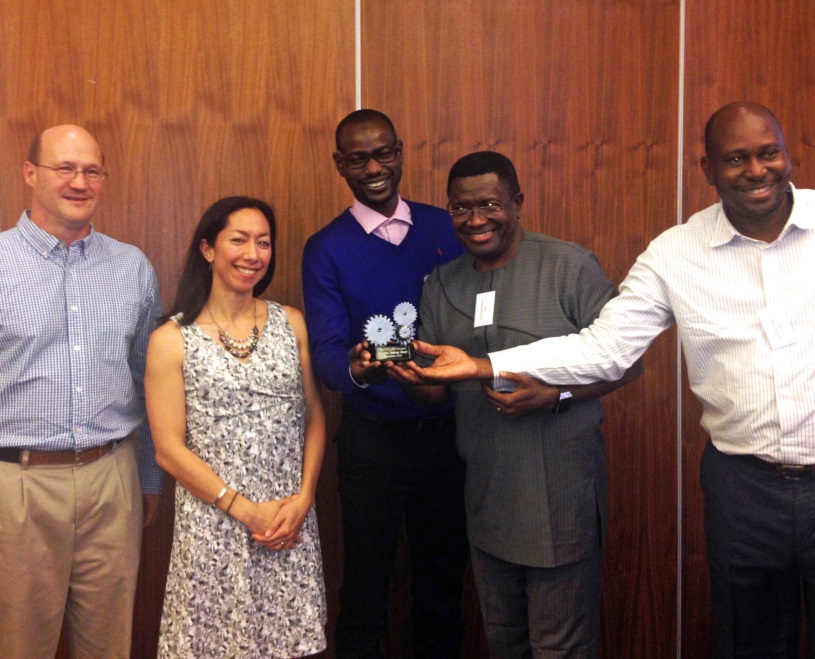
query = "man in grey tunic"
{"x": 535, "y": 484}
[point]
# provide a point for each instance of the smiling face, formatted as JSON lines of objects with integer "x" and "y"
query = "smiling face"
{"x": 747, "y": 161}
{"x": 376, "y": 185}
{"x": 64, "y": 207}
{"x": 242, "y": 251}
{"x": 491, "y": 236}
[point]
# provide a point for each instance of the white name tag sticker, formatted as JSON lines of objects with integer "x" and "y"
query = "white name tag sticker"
{"x": 780, "y": 332}
{"x": 484, "y": 308}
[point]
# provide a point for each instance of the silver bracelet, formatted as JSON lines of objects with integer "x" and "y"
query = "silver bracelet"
{"x": 220, "y": 495}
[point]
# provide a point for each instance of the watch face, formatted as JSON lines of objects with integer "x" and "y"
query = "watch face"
{"x": 564, "y": 402}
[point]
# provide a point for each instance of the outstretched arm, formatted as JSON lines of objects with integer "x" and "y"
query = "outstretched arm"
{"x": 450, "y": 365}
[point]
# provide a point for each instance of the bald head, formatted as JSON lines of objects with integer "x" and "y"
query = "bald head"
{"x": 728, "y": 114}
{"x": 56, "y": 133}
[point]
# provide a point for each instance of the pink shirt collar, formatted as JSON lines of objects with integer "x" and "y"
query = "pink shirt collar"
{"x": 369, "y": 219}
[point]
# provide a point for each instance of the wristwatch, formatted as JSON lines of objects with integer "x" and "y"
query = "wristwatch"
{"x": 563, "y": 403}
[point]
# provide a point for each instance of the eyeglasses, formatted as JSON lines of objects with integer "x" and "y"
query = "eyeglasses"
{"x": 384, "y": 155}
{"x": 92, "y": 174}
{"x": 487, "y": 209}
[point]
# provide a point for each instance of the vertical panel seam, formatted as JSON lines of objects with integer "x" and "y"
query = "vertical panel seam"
{"x": 680, "y": 150}
{"x": 358, "y": 54}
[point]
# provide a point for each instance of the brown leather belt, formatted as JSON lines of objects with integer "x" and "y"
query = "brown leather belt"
{"x": 31, "y": 458}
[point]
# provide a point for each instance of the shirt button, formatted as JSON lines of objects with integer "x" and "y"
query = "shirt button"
{"x": 77, "y": 348}
{"x": 73, "y": 307}
{"x": 79, "y": 390}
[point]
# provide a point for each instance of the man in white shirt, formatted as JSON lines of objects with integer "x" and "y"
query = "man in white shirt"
{"x": 738, "y": 280}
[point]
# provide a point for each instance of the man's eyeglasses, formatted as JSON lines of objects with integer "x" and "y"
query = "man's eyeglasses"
{"x": 487, "y": 209}
{"x": 384, "y": 155}
{"x": 92, "y": 174}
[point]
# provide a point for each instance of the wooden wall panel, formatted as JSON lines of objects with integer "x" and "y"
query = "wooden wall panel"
{"x": 189, "y": 104}
{"x": 242, "y": 96}
{"x": 577, "y": 94}
{"x": 737, "y": 50}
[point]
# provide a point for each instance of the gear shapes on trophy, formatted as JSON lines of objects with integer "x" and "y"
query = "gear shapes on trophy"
{"x": 379, "y": 330}
{"x": 389, "y": 340}
{"x": 406, "y": 333}
{"x": 405, "y": 314}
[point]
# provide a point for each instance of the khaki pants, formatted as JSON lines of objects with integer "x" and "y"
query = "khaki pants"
{"x": 70, "y": 539}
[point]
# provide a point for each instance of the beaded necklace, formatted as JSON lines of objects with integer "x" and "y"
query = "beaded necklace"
{"x": 240, "y": 348}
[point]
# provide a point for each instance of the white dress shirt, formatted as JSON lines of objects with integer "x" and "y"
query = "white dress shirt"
{"x": 745, "y": 311}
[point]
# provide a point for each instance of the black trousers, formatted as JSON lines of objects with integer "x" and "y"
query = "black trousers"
{"x": 390, "y": 470}
{"x": 760, "y": 530}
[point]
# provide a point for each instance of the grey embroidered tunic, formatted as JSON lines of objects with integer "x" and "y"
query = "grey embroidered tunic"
{"x": 226, "y": 595}
{"x": 535, "y": 491}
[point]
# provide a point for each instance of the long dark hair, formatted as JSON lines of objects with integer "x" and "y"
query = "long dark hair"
{"x": 196, "y": 277}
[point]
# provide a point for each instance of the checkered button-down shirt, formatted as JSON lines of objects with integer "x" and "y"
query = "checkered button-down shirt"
{"x": 74, "y": 326}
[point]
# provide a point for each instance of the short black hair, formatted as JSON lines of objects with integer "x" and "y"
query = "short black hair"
{"x": 486, "y": 162}
{"x": 758, "y": 108}
{"x": 360, "y": 117}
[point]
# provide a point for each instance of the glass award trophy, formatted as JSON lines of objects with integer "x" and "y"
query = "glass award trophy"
{"x": 390, "y": 339}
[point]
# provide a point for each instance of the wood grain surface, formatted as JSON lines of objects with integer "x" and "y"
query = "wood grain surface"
{"x": 194, "y": 102}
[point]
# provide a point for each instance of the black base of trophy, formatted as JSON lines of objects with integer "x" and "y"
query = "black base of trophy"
{"x": 392, "y": 352}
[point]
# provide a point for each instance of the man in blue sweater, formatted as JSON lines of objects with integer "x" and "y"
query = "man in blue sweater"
{"x": 396, "y": 459}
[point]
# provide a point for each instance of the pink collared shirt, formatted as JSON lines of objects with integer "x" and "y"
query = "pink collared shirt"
{"x": 391, "y": 229}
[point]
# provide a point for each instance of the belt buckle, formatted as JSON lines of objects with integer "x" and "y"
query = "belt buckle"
{"x": 794, "y": 472}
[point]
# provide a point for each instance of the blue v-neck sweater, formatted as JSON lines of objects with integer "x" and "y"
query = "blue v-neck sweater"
{"x": 349, "y": 276}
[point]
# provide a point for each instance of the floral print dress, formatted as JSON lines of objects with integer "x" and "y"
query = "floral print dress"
{"x": 226, "y": 595}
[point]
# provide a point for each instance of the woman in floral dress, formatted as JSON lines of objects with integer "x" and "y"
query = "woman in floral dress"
{"x": 237, "y": 421}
